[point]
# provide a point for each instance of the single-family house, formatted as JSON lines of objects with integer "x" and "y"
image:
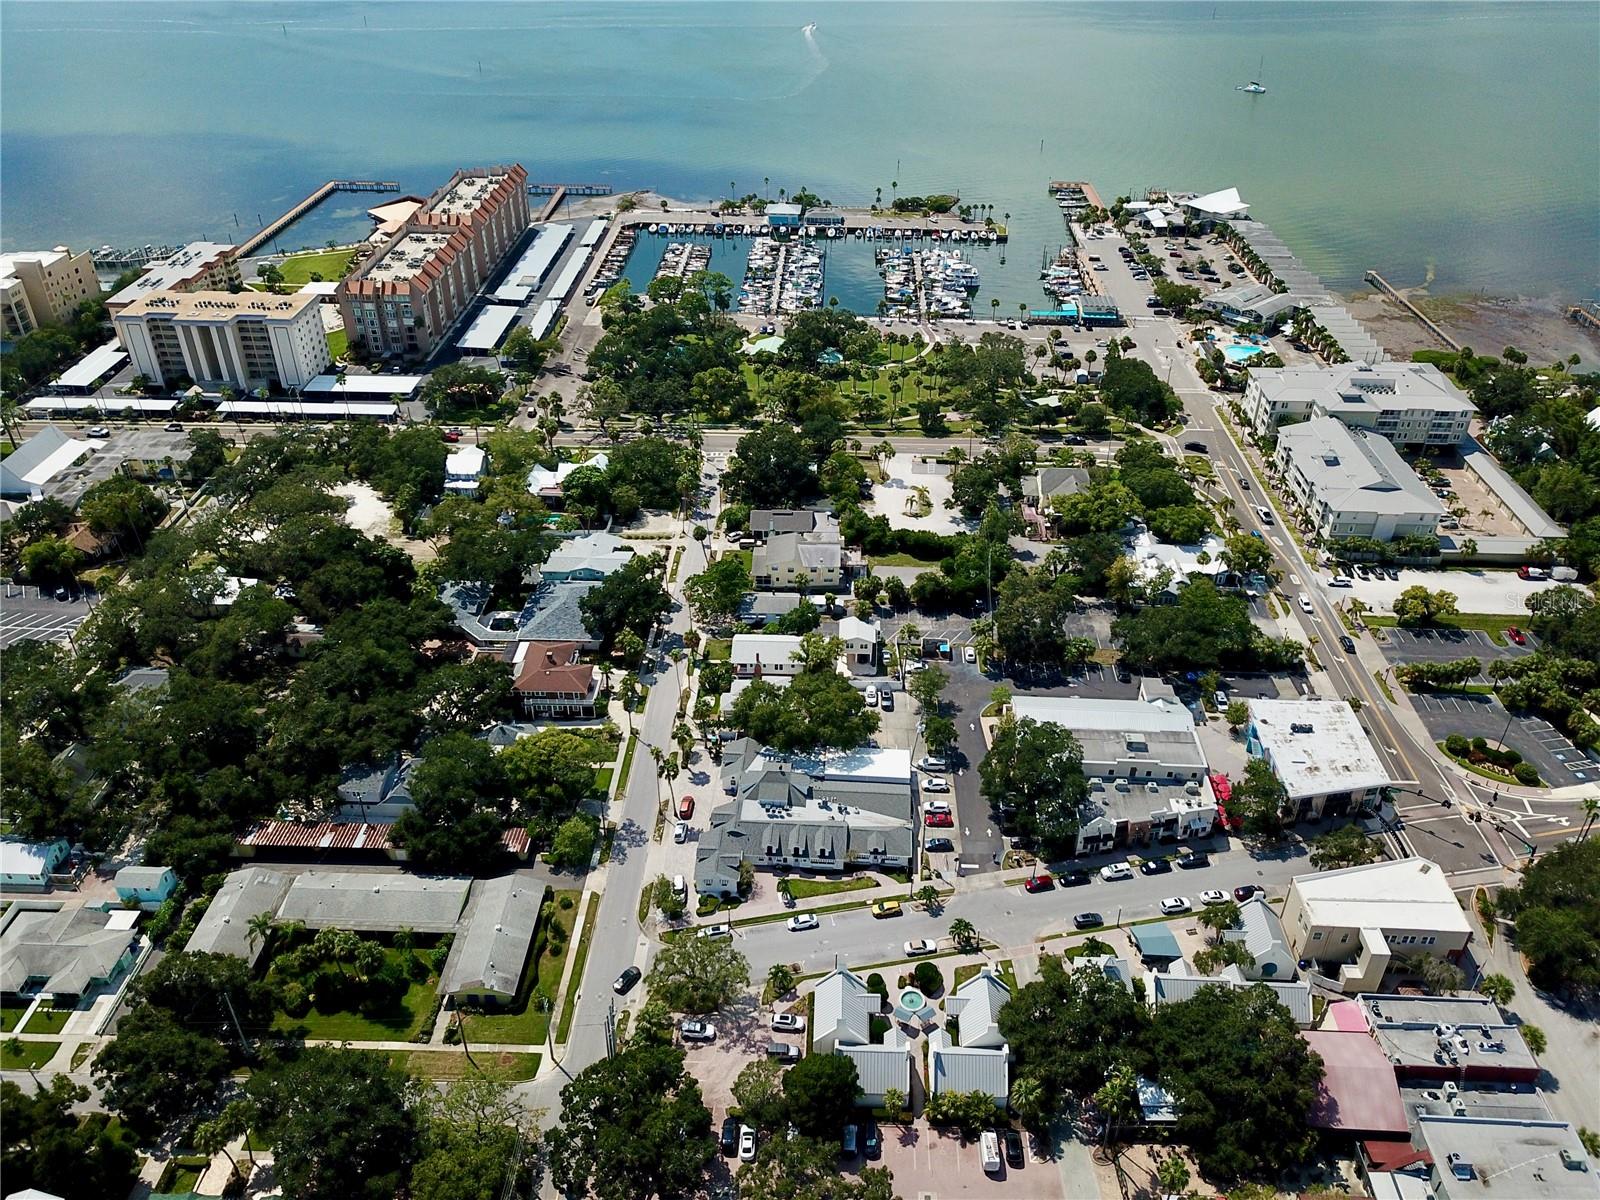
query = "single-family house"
{"x": 970, "y": 1053}
{"x": 27, "y": 866}
{"x": 486, "y": 959}
{"x": 374, "y": 793}
{"x": 861, "y": 640}
{"x": 64, "y": 953}
{"x": 589, "y": 558}
{"x": 464, "y": 469}
{"x": 545, "y": 482}
{"x": 798, "y": 562}
{"x": 550, "y": 681}
{"x": 1262, "y": 934}
{"x": 754, "y": 655}
{"x": 1178, "y": 983}
{"x": 841, "y": 1023}
{"x": 146, "y": 887}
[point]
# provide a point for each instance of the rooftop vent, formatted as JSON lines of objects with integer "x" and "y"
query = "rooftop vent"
{"x": 1573, "y": 1162}
{"x": 1460, "y": 1167}
{"x": 1301, "y": 727}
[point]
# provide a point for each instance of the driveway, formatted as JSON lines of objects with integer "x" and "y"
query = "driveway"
{"x": 931, "y": 1162}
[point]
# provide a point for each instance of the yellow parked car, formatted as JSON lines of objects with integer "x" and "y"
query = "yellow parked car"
{"x": 886, "y": 908}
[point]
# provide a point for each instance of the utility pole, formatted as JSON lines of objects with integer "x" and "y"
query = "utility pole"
{"x": 237, "y": 1028}
{"x": 611, "y": 1029}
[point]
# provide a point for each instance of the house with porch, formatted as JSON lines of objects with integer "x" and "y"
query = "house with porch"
{"x": 549, "y": 680}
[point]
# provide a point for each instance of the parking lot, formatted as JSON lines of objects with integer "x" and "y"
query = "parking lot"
{"x": 1500, "y": 592}
{"x": 28, "y": 612}
{"x": 1472, "y": 715}
{"x": 1448, "y": 645}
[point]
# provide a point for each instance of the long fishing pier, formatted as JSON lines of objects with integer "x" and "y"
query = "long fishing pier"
{"x": 272, "y": 230}
{"x": 1384, "y": 286}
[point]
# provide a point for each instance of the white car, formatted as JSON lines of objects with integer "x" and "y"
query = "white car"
{"x": 788, "y": 1022}
{"x": 1339, "y": 581}
{"x": 1176, "y": 904}
{"x": 871, "y": 696}
{"x": 934, "y": 783}
{"x": 1305, "y": 604}
{"x": 920, "y": 947}
{"x": 936, "y": 806}
{"x": 970, "y": 654}
{"x": 99, "y": 431}
{"x": 697, "y": 1031}
{"x": 801, "y": 922}
{"x": 929, "y": 763}
{"x": 1114, "y": 871}
{"x": 680, "y": 832}
{"x": 747, "y": 1144}
{"x": 716, "y": 931}
{"x": 1213, "y": 896}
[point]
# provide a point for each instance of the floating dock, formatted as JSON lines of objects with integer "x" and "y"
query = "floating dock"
{"x": 272, "y": 230}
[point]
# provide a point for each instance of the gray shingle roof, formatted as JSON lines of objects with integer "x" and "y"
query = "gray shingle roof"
{"x": 224, "y": 929}
{"x": 489, "y": 954}
{"x": 368, "y": 901}
{"x": 69, "y": 948}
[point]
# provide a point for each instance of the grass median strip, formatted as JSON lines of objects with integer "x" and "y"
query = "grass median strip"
{"x": 569, "y": 1004}
{"x": 807, "y": 889}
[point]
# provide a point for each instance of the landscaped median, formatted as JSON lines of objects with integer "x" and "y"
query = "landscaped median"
{"x": 1503, "y": 765}
{"x": 569, "y": 1005}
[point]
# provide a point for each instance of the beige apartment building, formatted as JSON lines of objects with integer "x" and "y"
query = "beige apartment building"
{"x": 403, "y": 300}
{"x": 245, "y": 340}
{"x": 43, "y": 287}
{"x": 198, "y": 267}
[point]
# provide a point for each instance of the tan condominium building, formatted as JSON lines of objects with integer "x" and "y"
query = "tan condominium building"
{"x": 198, "y": 267}
{"x": 43, "y": 287}
{"x": 404, "y": 299}
{"x": 246, "y": 340}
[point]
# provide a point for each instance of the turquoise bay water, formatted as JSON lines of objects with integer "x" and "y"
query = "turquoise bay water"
{"x": 1451, "y": 143}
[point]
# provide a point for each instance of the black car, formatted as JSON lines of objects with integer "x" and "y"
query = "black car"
{"x": 871, "y": 1140}
{"x": 939, "y": 846}
{"x": 730, "y": 1137}
{"x": 1075, "y": 439}
{"x": 1088, "y": 920}
{"x": 1247, "y": 891}
{"x": 1073, "y": 878}
{"x": 625, "y": 981}
{"x": 1194, "y": 861}
{"x": 1123, "y": 674}
{"x": 1197, "y": 447}
{"x": 1155, "y": 866}
{"x": 1347, "y": 643}
{"x": 1013, "y": 1144}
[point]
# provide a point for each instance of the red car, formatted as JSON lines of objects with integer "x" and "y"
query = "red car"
{"x": 1038, "y": 883}
{"x": 939, "y": 820}
{"x": 452, "y": 435}
{"x": 685, "y": 808}
{"x": 1517, "y": 636}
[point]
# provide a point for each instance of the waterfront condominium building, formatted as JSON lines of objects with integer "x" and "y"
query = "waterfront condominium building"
{"x": 1353, "y": 484}
{"x": 406, "y": 296}
{"x": 246, "y": 340}
{"x": 1409, "y": 404}
{"x": 198, "y": 267}
{"x": 41, "y": 287}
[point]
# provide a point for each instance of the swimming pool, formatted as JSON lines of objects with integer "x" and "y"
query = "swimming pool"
{"x": 1238, "y": 353}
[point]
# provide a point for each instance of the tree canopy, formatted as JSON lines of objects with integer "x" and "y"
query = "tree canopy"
{"x": 1557, "y": 912}
{"x": 1034, "y": 773}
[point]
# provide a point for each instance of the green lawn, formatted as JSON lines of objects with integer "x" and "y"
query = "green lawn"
{"x": 183, "y": 1174}
{"x": 454, "y": 1064}
{"x": 10, "y": 1014}
{"x": 627, "y": 756}
{"x": 524, "y": 1024}
{"x": 602, "y": 780}
{"x": 400, "y": 1024}
{"x": 901, "y": 560}
{"x": 569, "y": 1005}
{"x": 46, "y": 1019}
{"x": 32, "y": 1054}
{"x": 1004, "y": 969}
{"x": 330, "y": 264}
{"x": 806, "y": 889}
{"x": 338, "y": 342}
{"x": 718, "y": 649}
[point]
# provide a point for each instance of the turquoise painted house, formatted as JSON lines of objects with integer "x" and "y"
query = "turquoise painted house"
{"x": 145, "y": 886}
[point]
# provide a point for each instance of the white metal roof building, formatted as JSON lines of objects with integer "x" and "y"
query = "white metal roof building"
{"x": 366, "y": 385}
{"x": 543, "y": 318}
{"x": 530, "y": 270}
{"x": 1319, "y": 752}
{"x": 1353, "y": 484}
{"x": 1135, "y": 738}
{"x": 367, "y": 901}
{"x": 841, "y": 1023}
{"x": 981, "y": 1062}
{"x": 1176, "y": 986}
{"x": 88, "y": 371}
{"x": 319, "y": 410}
{"x": 488, "y": 328}
{"x": 595, "y": 231}
{"x": 487, "y": 958}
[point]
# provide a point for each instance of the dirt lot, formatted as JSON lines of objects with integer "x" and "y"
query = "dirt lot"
{"x": 371, "y": 514}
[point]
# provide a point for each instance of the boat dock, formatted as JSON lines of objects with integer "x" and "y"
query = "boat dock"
{"x": 572, "y": 189}
{"x": 247, "y": 247}
{"x": 1586, "y": 314}
{"x": 1384, "y": 286}
{"x": 1081, "y": 186}
{"x": 551, "y": 205}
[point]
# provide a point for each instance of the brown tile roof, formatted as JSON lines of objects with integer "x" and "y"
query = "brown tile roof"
{"x": 553, "y": 667}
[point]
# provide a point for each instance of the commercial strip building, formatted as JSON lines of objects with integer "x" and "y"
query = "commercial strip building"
{"x": 1178, "y": 983}
{"x": 43, "y": 287}
{"x": 1354, "y": 921}
{"x": 1353, "y": 484}
{"x": 198, "y": 267}
{"x": 244, "y": 340}
{"x": 1476, "y": 1158}
{"x": 1459, "y": 1039}
{"x": 1253, "y": 304}
{"x": 850, "y": 809}
{"x": 1408, "y": 404}
{"x": 1320, "y": 753}
{"x": 1146, "y": 770}
{"x": 405, "y": 298}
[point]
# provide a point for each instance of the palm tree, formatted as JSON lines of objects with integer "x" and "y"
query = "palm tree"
{"x": 766, "y": 186}
{"x": 877, "y": 197}
{"x": 894, "y": 190}
{"x": 258, "y": 929}
{"x": 404, "y": 938}
{"x": 1497, "y": 988}
{"x": 1591, "y": 812}
{"x": 210, "y": 1137}
{"x": 994, "y": 307}
{"x": 1022, "y": 311}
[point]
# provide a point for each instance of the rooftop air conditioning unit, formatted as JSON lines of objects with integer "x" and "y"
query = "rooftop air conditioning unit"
{"x": 1152, "y": 786}
{"x": 1192, "y": 788}
{"x": 1123, "y": 786}
{"x": 1096, "y": 784}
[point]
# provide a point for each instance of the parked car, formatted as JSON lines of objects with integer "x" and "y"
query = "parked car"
{"x": 1114, "y": 871}
{"x": 1013, "y": 1147}
{"x": 1516, "y": 635}
{"x": 939, "y": 820}
{"x": 871, "y": 1140}
{"x": 720, "y": 930}
{"x": 786, "y": 1022}
{"x": 929, "y": 763}
{"x": 885, "y": 699}
{"x": 1155, "y": 866}
{"x": 800, "y": 922}
{"x": 783, "y": 1052}
{"x": 1347, "y": 643}
{"x": 1038, "y": 883}
{"x": 686, "y": 808}
{"x": 1220, "y": 698}
{"x": 871, "y": 696}
{"x": 680, "y": 832}
{"x": 939, "y": 845}
{"x": 697, "y": 1031}
{"x": 1339, "y": 581}
{"x": 970, "y": 654}
{"x": 1247, "y": 891}
{"x": 1359, "y": 571}
{"x": 886, "y": 908}
{"x": 989, "y": 1151}
{"x": 730, "y": 1137}
{"x": 920, "y": 947}
{"x": 1175, "y": 904}
{"x": 1522, "y": 572}
{"x": 1213, "y": 896}
{"x": 1088, "y": 920}
{"x": 1073, "y": 878}
{"x": 100, "y": 431}
{"x": 847, "y": 1141}
{"x": 625, "y": 982}
{"x": 935, "y": 783}
{"x": 1123, "y": 674}
{"x": 747, "y": 1144}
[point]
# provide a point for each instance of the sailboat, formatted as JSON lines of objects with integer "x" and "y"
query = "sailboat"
{"x": 1253, "y": 87}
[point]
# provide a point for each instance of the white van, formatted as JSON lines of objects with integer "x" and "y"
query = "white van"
{"x": 680, "y": 889}
{"x": 989, "y": 1149}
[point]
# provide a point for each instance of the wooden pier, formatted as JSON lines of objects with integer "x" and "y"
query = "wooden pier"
{"x": 1586, "y": 314}
{"x": 1082, "y": 185}
{"x": 551, "y": 205}
{"x": 247, "y": 247}
{"x": 572, "y": 189}
{"x": 1384, "y": 286}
